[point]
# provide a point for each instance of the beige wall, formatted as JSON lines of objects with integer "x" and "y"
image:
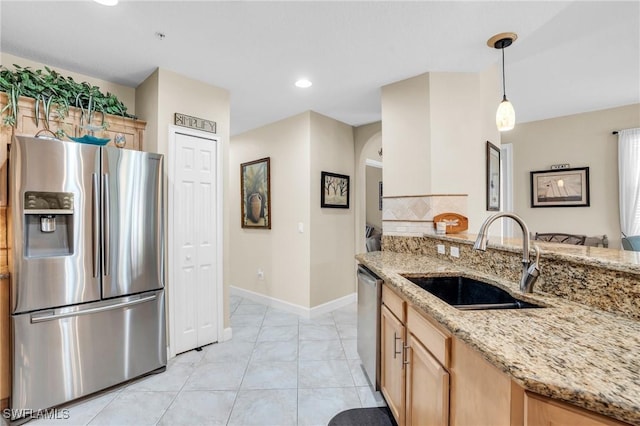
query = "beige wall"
{"x": 332, "y": 250}
{"x": 281, "y": 252}
{"x": 463, "y": 119}
{"x": 305, "y": 268}
{"x": 147, "y": 94}
{"x": 124, "y": 93}
{"x": 367, "y": 142}
{"x": 406, "y": 136}
{"x": 374, "y": 214}
{"x": 434, "y": 136}
{"x": 161, "y": 95}
{"x": 582, "y": 140}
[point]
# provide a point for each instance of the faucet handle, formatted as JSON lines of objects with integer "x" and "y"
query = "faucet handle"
{"x": 533, "y": 272}
{"x": 537, "y": 251}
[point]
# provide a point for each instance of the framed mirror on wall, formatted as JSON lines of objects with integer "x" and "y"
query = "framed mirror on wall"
{"x": 493, "y": 177}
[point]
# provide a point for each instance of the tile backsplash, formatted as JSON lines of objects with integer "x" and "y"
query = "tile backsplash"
{"x": 412, "y": 216}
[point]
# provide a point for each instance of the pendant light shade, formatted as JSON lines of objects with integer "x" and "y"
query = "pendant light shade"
{"x": 506, "y": 115}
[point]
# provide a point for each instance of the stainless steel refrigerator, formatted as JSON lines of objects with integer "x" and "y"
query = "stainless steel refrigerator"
{"x": 87, "y": 286}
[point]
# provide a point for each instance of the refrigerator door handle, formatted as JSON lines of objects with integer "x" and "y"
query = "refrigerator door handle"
{"x": 96, "y": 224}
{"x": 36, "y": 318}
{"x": 106, "y": 224}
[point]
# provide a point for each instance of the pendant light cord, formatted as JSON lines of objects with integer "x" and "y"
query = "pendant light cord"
{"x": 504, "y": 90}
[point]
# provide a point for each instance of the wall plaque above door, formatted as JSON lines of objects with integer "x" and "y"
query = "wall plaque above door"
{"x": 194, "y": 122}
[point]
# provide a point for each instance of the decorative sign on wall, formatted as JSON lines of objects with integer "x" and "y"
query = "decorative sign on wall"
{"x": 560, "y": 166}
{"x": 194, "y": 123}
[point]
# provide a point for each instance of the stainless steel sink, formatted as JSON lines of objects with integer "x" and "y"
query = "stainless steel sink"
{"x": 469, "y": 294}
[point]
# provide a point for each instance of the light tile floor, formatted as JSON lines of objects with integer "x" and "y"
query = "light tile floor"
{"x": 278, "y": 369}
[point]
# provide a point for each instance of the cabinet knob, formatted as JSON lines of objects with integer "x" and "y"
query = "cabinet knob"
{"x": 120, "y": 140}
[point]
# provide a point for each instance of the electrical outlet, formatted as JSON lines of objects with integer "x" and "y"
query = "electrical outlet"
{"x": 260, "y": 274}
{"x": 441, "y": 249}
{"x": 454, "y": 251}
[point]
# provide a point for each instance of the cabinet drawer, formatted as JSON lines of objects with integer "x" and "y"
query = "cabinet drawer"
{"x": 394, "y": 303}
{"x": 432, "y": 337}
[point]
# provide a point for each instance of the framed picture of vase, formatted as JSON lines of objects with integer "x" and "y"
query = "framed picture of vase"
{"x": 255, "y": 194}
{"x": 334, "y": 190}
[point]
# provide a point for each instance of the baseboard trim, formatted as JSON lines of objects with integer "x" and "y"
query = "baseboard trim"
{"x": 291, "y": 307}
{"x": 226, "y": 334}
{"x": 333, "y": 305}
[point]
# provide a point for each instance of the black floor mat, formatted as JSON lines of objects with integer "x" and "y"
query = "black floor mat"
{"x": 375, "y": 416}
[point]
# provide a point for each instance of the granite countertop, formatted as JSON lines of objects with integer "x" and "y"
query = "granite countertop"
{"x": 566, "y": 351}
{"x": 620, "y": 260}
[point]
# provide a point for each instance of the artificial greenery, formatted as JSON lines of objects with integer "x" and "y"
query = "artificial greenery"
{"x": 52, "y": 90}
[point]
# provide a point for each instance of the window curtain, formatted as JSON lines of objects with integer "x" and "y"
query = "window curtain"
{"x": 629, "y": 181}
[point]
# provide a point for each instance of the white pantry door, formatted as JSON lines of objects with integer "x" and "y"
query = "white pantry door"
{"x": 193, "y": 210}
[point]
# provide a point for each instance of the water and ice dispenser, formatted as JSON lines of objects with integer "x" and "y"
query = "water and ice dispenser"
{"x": 48, "y": 222}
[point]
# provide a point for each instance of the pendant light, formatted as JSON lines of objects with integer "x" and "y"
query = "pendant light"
{"x": 506, "y": 115}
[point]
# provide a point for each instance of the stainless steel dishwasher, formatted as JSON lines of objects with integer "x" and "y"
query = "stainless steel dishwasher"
{"x": 369, "y": 295}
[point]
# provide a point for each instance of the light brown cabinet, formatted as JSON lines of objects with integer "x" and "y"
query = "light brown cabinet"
{"x": 413, "y": 380}
{"x": 429, "y": 377}
{"x": 117, "y": 128}
{"x": 480, "y": 393}
{"x": 5, "y": 357}
{"x": 541, "y": 411}
{"x": 392, "y": 377}
{"x": 425, "y": 377}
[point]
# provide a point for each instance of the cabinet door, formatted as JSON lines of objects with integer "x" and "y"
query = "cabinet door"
{"x": 392, "y": 372}
{"x": 123, "y": 132}
{"x": 26, "y": 120}
{"x": 5, "y": 358}
{"x": 427, "y": 387}
{"x": 480, "y": 393}
{"x": 543, "y": 411}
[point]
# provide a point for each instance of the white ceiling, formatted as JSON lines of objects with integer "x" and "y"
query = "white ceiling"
{"x": 570, "y": 56}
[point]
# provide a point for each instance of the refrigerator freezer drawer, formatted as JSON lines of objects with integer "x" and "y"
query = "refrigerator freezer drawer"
{"x": 63, "y": 354}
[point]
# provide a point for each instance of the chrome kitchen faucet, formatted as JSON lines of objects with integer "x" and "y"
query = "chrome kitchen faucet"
{"x": 530, "y": 270}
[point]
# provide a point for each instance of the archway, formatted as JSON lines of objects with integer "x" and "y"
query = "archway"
{"x": 369, "y": 155}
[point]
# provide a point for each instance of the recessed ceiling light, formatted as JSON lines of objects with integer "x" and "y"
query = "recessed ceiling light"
{"x": 107, "y": 2}
{"x": 303, "y": 83}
